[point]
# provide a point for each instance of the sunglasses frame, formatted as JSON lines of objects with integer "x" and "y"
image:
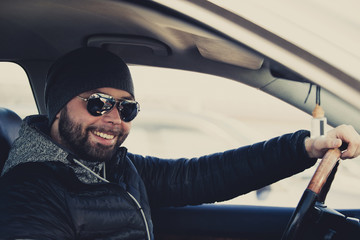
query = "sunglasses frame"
{"x": 110, "y": 102}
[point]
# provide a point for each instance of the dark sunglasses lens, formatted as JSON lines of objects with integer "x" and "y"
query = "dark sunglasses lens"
{"x": 98, "y": 106}
{"x": 128, "y": 110}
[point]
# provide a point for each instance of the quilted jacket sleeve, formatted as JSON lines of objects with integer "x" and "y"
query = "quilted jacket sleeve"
{"x": 31, "y": 204}
{"x": 222, "y": 176}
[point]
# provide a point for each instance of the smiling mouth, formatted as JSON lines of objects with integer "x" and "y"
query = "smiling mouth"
{"x": 104, "y": 135}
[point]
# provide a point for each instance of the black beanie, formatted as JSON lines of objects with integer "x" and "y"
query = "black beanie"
{"x": 83, "y": 70}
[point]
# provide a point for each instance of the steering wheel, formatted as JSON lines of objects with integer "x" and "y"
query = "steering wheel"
{"x": 316, "y": 191}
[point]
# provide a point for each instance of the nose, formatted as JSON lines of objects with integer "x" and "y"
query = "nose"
{"x": 113, "y": 116}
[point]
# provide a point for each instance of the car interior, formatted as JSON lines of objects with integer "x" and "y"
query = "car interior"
{"x": 34, "y": 33}
{"x": 9, "y": 130}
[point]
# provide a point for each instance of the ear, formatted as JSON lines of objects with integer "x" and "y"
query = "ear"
{"x": 58, "y": 114}
{"x": 54, "y": 129}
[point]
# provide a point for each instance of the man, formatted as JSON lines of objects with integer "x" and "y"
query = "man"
{"x": 68, "y": 178}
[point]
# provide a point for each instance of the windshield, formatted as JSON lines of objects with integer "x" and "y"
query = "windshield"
{"x": 329, "y": 29}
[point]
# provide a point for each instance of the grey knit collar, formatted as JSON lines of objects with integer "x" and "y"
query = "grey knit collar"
{"x": 33, "y": 145}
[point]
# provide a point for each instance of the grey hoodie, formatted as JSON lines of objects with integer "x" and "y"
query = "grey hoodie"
{"x": 34, "y": 145}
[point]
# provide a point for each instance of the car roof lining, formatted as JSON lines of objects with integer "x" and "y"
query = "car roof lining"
{"x": 161, "y": 37}
{"x": 146, "y": 38}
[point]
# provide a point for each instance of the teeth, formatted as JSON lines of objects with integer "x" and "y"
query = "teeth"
{"x": 104, "y": 135}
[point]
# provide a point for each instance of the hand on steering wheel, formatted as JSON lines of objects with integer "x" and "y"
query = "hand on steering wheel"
{"x": 311, "y": 195}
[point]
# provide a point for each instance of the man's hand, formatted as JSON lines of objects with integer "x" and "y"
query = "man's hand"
{"x": 317, "y": 147}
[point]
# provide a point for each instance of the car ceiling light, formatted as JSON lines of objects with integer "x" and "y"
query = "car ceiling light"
{"x": 157, "y": 47}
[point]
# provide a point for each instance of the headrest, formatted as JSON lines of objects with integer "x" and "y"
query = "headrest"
{"x": 9, "y": 130}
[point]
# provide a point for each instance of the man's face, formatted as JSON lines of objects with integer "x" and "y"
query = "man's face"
{"x": 92, "y": 138}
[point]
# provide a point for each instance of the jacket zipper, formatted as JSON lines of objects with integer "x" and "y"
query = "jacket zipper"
{"x": 129, "y": 194}
{"x": 142, "y": 213}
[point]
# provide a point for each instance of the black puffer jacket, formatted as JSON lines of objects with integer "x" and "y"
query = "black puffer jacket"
{"x": 44, "y": 194}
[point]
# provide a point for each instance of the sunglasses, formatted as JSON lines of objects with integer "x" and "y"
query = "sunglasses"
{"x": 99, "y": 103}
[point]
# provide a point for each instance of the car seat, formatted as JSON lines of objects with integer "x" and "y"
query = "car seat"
{"x": 9, "y": 130}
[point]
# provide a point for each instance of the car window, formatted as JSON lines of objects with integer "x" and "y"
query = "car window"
{"x": 227, "y": 113}
{"x": 15, "y": 91}
{"x": 186, "y": 114}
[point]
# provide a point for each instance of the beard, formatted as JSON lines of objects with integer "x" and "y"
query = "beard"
{"x": 76, "y": 138}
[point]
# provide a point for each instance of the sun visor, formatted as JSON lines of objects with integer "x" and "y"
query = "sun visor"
{"x": 227, "y": 52}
